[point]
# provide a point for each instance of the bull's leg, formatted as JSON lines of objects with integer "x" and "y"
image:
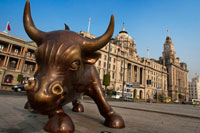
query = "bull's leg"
{"x": 28, "y": 107}
{"x": 59, "y": 122}
{"x": 112, "y": 119}
{"x": 77, "y": 106}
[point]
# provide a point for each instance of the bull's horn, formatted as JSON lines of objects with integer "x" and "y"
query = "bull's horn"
{"x": 35, "y": 34}
{"x": 98, "y": 43}
{"x": 67, "y": 27}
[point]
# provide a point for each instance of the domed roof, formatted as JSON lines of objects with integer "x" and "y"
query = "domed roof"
{"x": 123, "y": 35}
{"x": 168, "y": 38}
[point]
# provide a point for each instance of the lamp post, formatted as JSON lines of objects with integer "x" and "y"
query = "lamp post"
{"x": 123, "y": 80}
{"x": 107, "y": 71}
{"x": 124, "y": 83}
{"x": 179, "y": 84}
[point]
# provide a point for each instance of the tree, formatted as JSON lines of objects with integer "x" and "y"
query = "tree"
{"x": 20, "y": 78}
{"x": 106, "y": 79}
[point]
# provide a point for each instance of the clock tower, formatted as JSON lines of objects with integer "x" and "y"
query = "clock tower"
{"x": 177, "y": 72}
{"x": 169, "y": 55}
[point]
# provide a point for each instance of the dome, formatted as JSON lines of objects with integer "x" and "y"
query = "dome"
{"x": 123, "y": 35}
{"x": 168, "y": 38}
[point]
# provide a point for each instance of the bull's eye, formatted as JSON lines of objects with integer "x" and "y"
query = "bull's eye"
{"x": 75, "y": 65}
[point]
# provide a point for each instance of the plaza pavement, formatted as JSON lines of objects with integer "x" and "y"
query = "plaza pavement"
{"x": 139, "y": 117}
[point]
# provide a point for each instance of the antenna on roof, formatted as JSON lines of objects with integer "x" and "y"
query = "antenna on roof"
{"x": 167, "y": 32}
{"x": 89, "y": 25}
{"x": 148, "y": 53}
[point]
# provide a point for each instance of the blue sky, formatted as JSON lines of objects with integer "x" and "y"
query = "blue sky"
{"x": 145, "y": 20}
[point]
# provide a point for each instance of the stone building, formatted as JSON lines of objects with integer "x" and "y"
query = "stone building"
{"x": 177, "y": 72}
{"x": 194, "y": 88}
{"x": 142, "y": 77}
{"x": 15, "y": 54}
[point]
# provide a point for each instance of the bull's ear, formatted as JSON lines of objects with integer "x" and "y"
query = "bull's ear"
{"x": 91, "y": 58}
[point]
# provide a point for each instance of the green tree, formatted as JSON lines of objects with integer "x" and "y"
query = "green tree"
{"x": 106, "y": 79}
{"x": 20, "y": 78}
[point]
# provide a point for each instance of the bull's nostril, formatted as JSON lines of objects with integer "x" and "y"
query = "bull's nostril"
{"x": 57, "y": 89}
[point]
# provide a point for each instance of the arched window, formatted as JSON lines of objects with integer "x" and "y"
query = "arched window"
{"x": 8, "y": 79}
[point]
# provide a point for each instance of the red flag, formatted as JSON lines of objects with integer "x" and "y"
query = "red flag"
{"x": 8, "y": 27}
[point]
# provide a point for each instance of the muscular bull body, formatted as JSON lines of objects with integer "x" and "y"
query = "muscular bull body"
{"x": 65, "y": 71}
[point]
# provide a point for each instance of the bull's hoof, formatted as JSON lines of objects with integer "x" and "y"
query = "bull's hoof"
{"x": 114, "y": 121}
{"x": 29, "y": 108}
{"x": 60, "y": 123}
{"x": 78, "y": 108}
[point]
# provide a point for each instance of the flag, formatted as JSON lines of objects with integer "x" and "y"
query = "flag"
{"x": 8, "y": 27}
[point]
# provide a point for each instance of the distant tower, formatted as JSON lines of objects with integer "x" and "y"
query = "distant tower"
{"x": 169, "y": 54}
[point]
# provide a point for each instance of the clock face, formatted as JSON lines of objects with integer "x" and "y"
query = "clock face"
{"x": 166, "y": 46}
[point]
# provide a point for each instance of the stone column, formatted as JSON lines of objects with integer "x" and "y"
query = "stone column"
{"x": 7, "y": 62}
{"x": 138, "y": 74}
{"x": 11, "y": 45}
{"x": 18, "y": 62}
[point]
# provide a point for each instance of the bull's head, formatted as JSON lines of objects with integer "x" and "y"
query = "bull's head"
{"x": 61, "y": 57}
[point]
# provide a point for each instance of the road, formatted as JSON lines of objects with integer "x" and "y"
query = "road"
{"x": 139, "y": 117}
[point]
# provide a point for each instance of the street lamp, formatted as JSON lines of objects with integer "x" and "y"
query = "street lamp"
{"x": 124, "y": 83}
{"x": 107, "y": 71}
{"x": 123, "y": 79}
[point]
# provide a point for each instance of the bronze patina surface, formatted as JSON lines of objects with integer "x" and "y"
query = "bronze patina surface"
{"x": 65, "y": 71}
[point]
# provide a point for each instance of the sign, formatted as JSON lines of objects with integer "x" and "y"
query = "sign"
{"x": 157, "y": 88}
{"x": 136, "y": 85}
{"x": 128, "y": 86}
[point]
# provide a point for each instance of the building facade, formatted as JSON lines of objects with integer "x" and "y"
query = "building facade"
{"x": 142, "y": 76}
{"x": 16, "y": 57}
{"x": 194, "y": 88}
{"x": 177, "y": 72}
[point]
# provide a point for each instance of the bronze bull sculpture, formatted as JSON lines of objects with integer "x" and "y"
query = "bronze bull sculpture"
{"x": 65, "y": 71}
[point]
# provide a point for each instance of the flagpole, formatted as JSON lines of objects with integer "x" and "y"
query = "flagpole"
{"x": 5, "y": 31}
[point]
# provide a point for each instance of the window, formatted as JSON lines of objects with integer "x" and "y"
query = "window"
{"x": 16, "y": 51}
{"x": 105, "y": 57}
{"x": 25, "y": 68}
{"x": 99, "y": 63}
{"x": 28, "y": 54}
{"x": 114, "y": 60}
{"x": 1, "y": 47}
{"x": 109, "y": 66}
{"x": 113, "y": 67}
{"x": 12, "y": 64}
{"x": 31, "y": 68}
{"x": 113, "y": 75}
{"x": 33, "y": 55}
{"x": 104, "y": 65}
{"x": 8, "y": 79}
